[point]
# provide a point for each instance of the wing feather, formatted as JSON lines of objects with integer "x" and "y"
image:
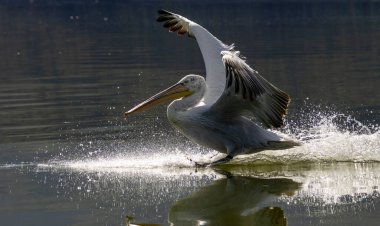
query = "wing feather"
{"x": 210, "y": 47}
{"x": 232, "y": 85}
{"x": 175, "y": 22}
{"x": 246, "y": 90}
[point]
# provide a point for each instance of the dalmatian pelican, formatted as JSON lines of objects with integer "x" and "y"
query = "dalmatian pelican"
{"x": 231, "y": 109}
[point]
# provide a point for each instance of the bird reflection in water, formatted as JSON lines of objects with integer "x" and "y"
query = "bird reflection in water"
{"x": 234, "y": 201}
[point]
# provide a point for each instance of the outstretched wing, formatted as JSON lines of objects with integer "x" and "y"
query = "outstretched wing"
{"x": 210, "y": 46}
{"x": 246, "y": 90}
{"x": 233, "y": 86}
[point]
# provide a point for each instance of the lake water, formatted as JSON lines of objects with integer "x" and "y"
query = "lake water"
{"x": 70, "y": 69}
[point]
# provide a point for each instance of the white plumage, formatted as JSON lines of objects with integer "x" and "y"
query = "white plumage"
{"x": 215, "y": 112}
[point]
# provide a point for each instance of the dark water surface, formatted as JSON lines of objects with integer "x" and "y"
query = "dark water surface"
{"x": 69, "y": 69}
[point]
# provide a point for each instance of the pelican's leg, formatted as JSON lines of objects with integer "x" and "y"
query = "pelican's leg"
{"x": 219, "y": 161}
{"x": 197, "y": 164}
{"x": 231, "y": 152}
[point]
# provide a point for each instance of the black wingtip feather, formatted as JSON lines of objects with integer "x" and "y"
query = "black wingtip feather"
{"x": 268, "y": 103}
{"x": 174, "y": 23}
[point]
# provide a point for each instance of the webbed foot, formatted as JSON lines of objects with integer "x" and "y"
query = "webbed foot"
{"x": 217, "y": 162}
{"x": 199, "y": 165}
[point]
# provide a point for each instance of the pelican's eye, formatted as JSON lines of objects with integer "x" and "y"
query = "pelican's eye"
{"x": 183, "y": 83}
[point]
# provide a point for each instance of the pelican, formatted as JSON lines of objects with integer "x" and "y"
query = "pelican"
{"x": 229, "y": 111}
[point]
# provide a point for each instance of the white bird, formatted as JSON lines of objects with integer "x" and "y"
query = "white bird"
{"x": 217, "y": 112}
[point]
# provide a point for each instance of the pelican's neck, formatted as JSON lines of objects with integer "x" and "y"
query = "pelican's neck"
{"x": 182, "y": 105}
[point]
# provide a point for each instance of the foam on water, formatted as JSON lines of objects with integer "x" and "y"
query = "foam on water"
{"x": 170, "y": 166}
{"x": 339, "y": 186}
{"x": 164, "y": 165}
{"x": 336, "y": 189}
{"x": 332, "y": 147}
{"x": 326, "y": 136}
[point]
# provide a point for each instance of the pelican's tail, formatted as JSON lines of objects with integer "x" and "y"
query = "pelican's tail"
{"x": 282, "y": 144}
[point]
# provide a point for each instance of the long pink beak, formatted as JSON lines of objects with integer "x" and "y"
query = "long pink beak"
{"x": 174, "y": 92}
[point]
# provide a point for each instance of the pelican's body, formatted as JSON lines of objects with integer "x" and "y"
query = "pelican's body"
{"x": 214, "y": 111}
{"x": 235, "y": 135}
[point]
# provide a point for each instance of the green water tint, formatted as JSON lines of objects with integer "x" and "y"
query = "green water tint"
{"x": 262, "y": 194}
{"x": 265, "y": 195}
{"x": 234, "y": 201}
{"x": 253, "y": 194}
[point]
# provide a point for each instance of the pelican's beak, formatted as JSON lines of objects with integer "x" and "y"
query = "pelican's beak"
{"x": 174, "y": 92}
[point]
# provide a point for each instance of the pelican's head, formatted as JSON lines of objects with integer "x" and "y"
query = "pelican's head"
{"x": 187, "y": 86}
{"x": 195, "y": 83}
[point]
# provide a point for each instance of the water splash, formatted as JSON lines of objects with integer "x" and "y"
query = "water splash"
{"x": 164, "y": 165}
{"x": 314, "y": 121}
{"x": 336, "y": 190}
{"x": 326, "y": 136}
